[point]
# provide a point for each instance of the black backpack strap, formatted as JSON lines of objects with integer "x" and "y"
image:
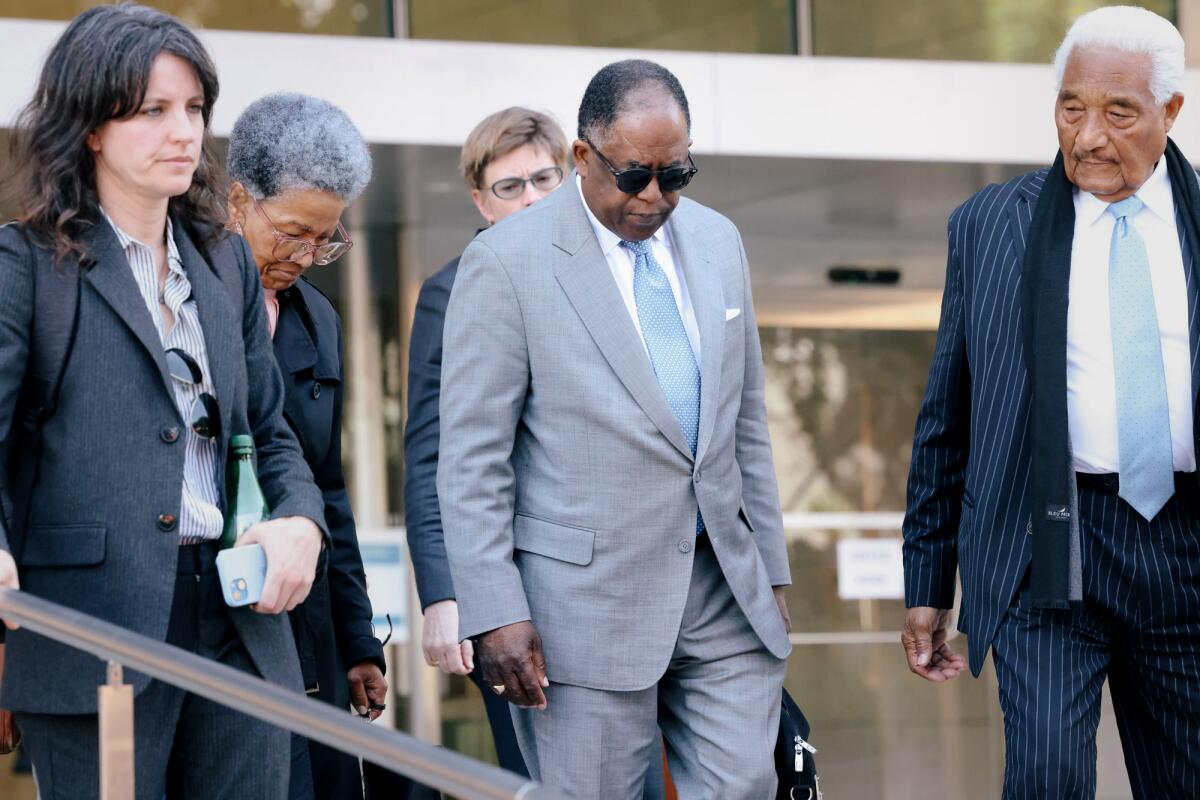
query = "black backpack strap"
{"x": 52, "y": 335}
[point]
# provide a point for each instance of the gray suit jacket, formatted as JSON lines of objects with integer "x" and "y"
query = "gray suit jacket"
{"x": 568, "y": 492}
{"x": 94, "y": 540}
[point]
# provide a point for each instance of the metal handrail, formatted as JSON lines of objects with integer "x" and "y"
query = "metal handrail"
{"x": 442, "y": 769}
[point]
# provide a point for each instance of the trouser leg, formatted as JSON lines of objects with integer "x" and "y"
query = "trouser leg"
{"x": 219, "y": 752}
{"x": 594, "y": 744}
{"x": 1051, "y": 672}
{"x": 1155, "y": 677}
{"x": 65, "y": 749}
{"x": 719, "y": 701}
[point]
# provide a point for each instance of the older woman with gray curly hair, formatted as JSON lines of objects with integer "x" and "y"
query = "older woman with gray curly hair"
{"x": 295, "y": 163}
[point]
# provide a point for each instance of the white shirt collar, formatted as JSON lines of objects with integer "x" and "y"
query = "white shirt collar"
{"x": 174, "y": 261}
{"x": 1155, "y": 193}
{"x": 608, "y": 240}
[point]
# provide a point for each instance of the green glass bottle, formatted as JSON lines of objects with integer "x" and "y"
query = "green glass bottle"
{"x": 244, "y": 497}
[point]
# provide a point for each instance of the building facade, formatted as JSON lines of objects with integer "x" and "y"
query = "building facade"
{"x": 837, "y": 134}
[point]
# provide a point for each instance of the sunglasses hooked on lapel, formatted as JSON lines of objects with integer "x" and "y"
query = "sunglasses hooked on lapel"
{"x": 205, "y": 416}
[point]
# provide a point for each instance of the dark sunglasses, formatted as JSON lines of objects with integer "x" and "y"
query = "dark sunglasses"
{"x": 544, "y": 180}
{"x": 205, "y": 416}
{"x": 635, "y": 179}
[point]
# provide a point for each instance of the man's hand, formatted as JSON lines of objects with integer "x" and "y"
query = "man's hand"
{"x": 924, "y": 640}
{"x": 781, "y": 601}
{"x": 512, "y": 656}
{"x": 439, "y": 640}
{"x": 10, "y": 736}
{"x": 368, "y": 689}
{"x": 8, "y": 579}
{"x": 292, "y": 546}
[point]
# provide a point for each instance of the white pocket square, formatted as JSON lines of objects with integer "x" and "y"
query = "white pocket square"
{"x": 730, "y": 313}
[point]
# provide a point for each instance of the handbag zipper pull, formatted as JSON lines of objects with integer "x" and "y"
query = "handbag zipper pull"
{"x": 801, "y": 746}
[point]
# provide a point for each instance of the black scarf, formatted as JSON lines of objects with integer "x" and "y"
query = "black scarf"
{"x": 1056, "y": 576}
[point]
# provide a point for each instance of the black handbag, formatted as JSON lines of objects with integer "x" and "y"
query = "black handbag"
{"x": 794, "y": 763}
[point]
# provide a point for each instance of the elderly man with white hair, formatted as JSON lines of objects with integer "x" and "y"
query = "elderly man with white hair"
{"x": 1054, "y": 461}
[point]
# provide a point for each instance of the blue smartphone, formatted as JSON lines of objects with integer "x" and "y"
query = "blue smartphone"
{"x": 242, "y": 571}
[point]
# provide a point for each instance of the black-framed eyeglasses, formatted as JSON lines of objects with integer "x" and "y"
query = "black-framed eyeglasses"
{"x": 544, "y": 180}
{"x": 205, "y": 416}
{"x": 635, "y": 179}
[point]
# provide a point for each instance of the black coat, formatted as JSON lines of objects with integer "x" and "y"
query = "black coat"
{"x": 422, "y": 516}
{"x": 333, "y": 626}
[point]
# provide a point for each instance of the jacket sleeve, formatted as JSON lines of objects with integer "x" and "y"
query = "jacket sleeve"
{"x": 422, "y": 517}
{"x": 760, "y": 491}
{"x": 286, "y": 480}
{"x": 940, "y": 448}
{"x": 347, "y": 580}
{"x": 16, "y": 321}
{"x": 485, "y": 380}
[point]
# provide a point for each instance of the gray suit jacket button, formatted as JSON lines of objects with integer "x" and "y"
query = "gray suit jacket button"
{"x": 697, "y": 475}
{"x": 685, "y": 546}
{"x": 169, "y": 434}
{"x": 166, "y": 522}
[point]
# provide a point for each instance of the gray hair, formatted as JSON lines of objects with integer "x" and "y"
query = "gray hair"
{"x": 1130, "y": 29}
{"x": 288, "y": 141}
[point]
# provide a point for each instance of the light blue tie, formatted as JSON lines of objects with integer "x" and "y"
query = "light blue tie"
{"x": 1143, "y": 417}
{"x": 667, "y": 341}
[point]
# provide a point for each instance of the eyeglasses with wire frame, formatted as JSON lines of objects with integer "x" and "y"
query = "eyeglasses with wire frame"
{"x": 544, "y": 180}
{"x": 294, "y": 249}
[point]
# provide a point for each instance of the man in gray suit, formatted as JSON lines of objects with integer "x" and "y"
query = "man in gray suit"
{"x": 610, "y": 509}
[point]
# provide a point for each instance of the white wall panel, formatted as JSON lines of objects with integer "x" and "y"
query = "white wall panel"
{"x": 425, "y": 92}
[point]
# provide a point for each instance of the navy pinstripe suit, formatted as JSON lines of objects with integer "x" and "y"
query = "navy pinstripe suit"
{"x": 968, "y": 509}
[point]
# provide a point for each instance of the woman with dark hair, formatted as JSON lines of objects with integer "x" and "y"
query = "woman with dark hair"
{"x": 117, "y": 460}
{"x": 295, "y": 162}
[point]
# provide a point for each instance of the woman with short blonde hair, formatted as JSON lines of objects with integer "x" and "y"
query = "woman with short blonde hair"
{"x": 503, "y": 140}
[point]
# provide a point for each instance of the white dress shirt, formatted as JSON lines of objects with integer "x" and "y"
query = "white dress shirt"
{"x": 1091, "y": 388}
{"x": 620, "y": 261}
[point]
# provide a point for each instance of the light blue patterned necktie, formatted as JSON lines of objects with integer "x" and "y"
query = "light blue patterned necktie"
{"x": 666, "y": 339}
{"x": 1143, "y": 416}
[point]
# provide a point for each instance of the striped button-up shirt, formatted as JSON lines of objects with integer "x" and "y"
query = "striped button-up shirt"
{"x": 200, "y": 516}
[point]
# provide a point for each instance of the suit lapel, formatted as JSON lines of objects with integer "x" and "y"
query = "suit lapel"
{"x": 295, "y": 351}
{"x": 113, "y": 280}
{"x": 693, "y": 253}
{"x": 222, "y": 327}
{"x": 1020, "y": 213}
{"x": 294, "y": 346}
{"x": 583, "y": 273}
